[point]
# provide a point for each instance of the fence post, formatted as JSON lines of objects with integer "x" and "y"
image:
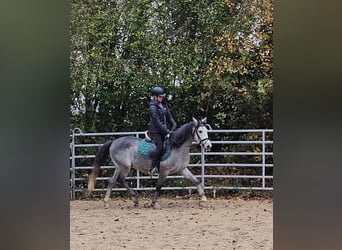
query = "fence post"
{"x": 73, "y": 165}
{"x": 202, "y": 165}
{"x": 263, "y": 159}
{"x": 138, "y": 172}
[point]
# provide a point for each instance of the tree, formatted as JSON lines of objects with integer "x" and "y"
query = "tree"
{"x": 215, "y": 56}
{"x": 242, "y": 67}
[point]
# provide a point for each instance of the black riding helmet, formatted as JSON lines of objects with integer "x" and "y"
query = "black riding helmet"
{"x": 158, "y": 91}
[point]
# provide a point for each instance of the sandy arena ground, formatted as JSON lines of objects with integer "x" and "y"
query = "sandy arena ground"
{"x": 180, "y": 224}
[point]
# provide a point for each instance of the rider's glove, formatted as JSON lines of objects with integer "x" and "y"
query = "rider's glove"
{"x": 169, "y": 134}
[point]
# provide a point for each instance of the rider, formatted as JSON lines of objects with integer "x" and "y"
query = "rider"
{"x": 160, "y": 118}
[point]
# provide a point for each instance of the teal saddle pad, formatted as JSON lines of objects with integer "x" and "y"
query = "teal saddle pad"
{"x": 144, "y": 149}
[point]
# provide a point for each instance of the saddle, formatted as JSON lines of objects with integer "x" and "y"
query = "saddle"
{"x": 144, "y": 148}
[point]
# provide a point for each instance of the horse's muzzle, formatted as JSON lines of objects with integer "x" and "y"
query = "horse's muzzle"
{"x": 207, "y": 145}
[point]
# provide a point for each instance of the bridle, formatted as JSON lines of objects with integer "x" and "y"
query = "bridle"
{"x": 202, "y": 141}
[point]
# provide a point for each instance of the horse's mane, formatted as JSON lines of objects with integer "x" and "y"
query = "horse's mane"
{"x": 181, "y": 135}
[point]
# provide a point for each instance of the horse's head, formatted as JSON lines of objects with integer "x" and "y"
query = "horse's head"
{"x": 201, "y": 133}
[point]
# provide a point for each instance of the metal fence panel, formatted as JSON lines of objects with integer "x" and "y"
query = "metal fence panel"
{"x": 240, "y": 159}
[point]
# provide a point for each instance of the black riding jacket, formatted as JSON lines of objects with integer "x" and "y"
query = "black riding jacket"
{"x": 160, "y": 118}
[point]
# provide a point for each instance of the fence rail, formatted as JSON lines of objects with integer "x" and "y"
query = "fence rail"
{"x": 240, "y": 159}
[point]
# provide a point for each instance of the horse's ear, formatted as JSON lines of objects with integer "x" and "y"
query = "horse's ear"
{"x": 195, "y": 121}
{"x": 204, "y": 120}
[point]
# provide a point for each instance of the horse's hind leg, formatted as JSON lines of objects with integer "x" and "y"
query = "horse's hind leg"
{"x": 188, "y": 175}
{"x": 111, "y": 183}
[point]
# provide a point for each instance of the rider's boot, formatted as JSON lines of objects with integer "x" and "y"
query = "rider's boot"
{"x": 154, "y": 167}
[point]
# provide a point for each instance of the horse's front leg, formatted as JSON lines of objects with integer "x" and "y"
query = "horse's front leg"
{"x": 160, "y": 181}
{"x": 188, "y": 175}
{"x": 133, "y": 194}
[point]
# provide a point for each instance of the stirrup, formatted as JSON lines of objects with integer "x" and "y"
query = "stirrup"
{"x": 153, "y": 171}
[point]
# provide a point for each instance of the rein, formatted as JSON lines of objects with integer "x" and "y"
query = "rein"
{"x": 181, "y": 135}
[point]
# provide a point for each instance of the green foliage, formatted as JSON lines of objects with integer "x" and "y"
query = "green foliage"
{"x": 214, "y": 56}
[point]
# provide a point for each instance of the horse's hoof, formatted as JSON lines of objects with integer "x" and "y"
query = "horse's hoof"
{"x": 87, "y": 194}
{"x": 106, "y": 199}
{"x": 156, "y": 206}
{"x": 204, "y": 198}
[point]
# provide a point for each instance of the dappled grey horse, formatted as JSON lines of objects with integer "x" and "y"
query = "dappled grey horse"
{"x": 124, "y": 154}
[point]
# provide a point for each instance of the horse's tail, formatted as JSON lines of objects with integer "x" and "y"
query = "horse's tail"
{"x": 100, "y": 158}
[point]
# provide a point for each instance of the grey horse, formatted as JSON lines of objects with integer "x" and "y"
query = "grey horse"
{"x": 124, "y": 154}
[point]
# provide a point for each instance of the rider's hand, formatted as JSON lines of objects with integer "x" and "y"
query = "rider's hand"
{"x": 169, "y": 134}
